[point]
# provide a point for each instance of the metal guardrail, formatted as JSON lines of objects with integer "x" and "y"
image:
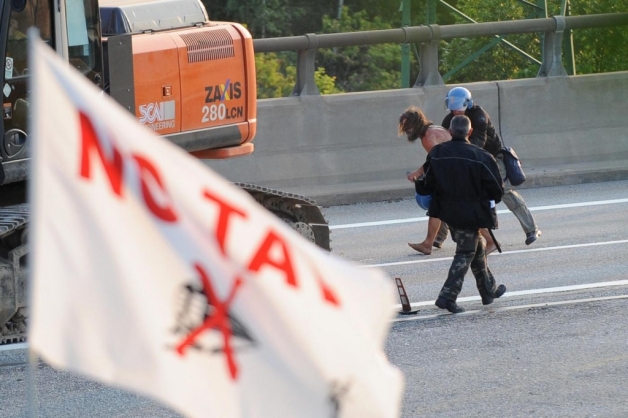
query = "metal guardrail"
{"x": 428, "y": 37}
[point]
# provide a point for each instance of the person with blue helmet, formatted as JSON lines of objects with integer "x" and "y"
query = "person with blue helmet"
{"x": 460, "y": 102}
{"x": 415, "y": 125}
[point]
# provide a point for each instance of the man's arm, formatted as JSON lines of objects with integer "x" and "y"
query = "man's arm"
{"x": 479, "y": 123}
{"x": 415, "y": 174}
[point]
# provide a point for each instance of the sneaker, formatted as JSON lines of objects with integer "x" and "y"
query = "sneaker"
{"x": 450, "y": 305}
{"x": 499, "y": 292}
{"x": 487, "y": 300}
{"x": 532, "y": 236}
{"x": 437, "y": 244}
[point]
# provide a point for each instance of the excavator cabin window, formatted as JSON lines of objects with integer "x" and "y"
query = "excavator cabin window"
{"x": 84, "y": 51}
{"x": 25, "y": 14}
{"x": 83, "y": 34}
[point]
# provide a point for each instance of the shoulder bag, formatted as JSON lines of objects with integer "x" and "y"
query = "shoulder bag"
{"x": 514, "y": 172}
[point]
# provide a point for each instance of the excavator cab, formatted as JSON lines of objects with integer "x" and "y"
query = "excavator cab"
{"x": 202, "y": 98}
{"x": 79, "y": 43}
{"x": 72, "y": 29}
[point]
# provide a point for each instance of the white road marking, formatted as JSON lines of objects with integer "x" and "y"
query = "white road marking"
{"x": 379, "y": 223}
{"x": 22, "y": 346}
{"x": 510, "y": 308}
{"x": 502, "y": 211}
{"x": 531, "y": 250}
{"x": 532, "y": 292}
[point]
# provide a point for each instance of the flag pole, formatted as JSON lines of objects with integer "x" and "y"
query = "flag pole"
{"x": 33, "y": 358}
{"x": 33, "y": 363}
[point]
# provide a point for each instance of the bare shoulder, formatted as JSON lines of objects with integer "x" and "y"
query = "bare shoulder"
{"x": 434, "y": 136}
{"x": 437, "y": 134}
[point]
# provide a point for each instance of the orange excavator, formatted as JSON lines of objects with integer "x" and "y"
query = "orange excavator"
{"x": 183, "y": 76}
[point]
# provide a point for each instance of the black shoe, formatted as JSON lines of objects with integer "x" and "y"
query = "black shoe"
{"x": 487, "y": 300}
{"x": 450, "y": 305}
{"x": 499, "y": 292}
{"x": 437, "y": 244}
{"x": 532, "y": 236}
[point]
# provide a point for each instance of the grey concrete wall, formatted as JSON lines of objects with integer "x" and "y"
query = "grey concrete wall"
{"x": 563, "y": 120}
{"x": 335, "y": 146}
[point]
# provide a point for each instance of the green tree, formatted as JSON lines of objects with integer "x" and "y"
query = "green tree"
{"x": 596, "y": 50}
{"x": 312, "y": 19}
{"x": 326, "y": 84}
{"x": 272, "y": 18}
{"x": 277, "y": 75}
{"x": 263, "y": 18}
{"x": 378, "y": 67}
{"x": 499, "y": 61}
{"x": 600, "y": 50}
{"x": 360, "y": 68}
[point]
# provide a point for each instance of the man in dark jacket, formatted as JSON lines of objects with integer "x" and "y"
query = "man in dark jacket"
{"x": 465, "y": 183}
{"x": 460, "y": 102}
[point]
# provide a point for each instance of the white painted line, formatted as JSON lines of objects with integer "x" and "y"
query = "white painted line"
{"x": 531, "y": 292}
{"x": 577, "y": 205}
{"x": 21, "y": 346}
{"x": 510, "y": 308}
{"x": 379, "y": 223}
{"x": 531, "y": 250}
{"x": 15, "y": 346}
{"x": 502, "y": 211}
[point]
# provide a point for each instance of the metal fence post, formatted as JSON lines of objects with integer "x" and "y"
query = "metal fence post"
{"x": 405, "y": 48}
{"x": 306, "y": 67}
{"x": 552, "y": 65}
{"x": 428, "y": 61}
{"x": 565, "y": 10}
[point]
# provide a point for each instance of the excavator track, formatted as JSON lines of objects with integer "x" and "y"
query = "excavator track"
{"x": 13, "y": 250}
{"x": 301, "y": 213}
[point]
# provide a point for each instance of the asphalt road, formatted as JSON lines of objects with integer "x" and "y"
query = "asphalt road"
{"x": 556, "y": 345}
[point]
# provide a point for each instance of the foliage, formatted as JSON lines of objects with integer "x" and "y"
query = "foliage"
{"x": 272, "y": 18}
{"x": 595, "y": 50}
{"x": 277, "y": 75}
{"x": 502, "y": 61}
{"x": 361, "y": 68}
{"x": 600, "y": 50}
{"x": 326, "y": 84}
{"x": 272, "y": 80}
{"x": 263, "y": 18}
{"x": 379, "y": 66}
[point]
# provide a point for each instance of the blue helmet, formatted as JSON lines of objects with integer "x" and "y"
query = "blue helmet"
{"x": 458, "y": 98}
{"x": 423, "y": 200}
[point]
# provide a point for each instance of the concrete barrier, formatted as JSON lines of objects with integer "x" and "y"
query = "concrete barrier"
{"x": 344, "y": 148}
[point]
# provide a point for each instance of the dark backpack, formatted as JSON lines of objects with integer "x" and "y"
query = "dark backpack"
{"x": 514, "y": 172}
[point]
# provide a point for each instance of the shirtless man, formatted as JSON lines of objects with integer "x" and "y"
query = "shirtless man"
{"x": 414, "y": 124}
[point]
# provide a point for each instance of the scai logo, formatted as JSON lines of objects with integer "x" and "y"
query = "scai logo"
{"x": 158, "y": 116}
{"x": 156, "y": 112}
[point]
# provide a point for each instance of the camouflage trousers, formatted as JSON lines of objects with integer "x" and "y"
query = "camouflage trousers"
{"x": 470, "y": 252}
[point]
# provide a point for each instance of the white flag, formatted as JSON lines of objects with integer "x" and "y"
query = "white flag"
{"x": 151, "y": 272}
